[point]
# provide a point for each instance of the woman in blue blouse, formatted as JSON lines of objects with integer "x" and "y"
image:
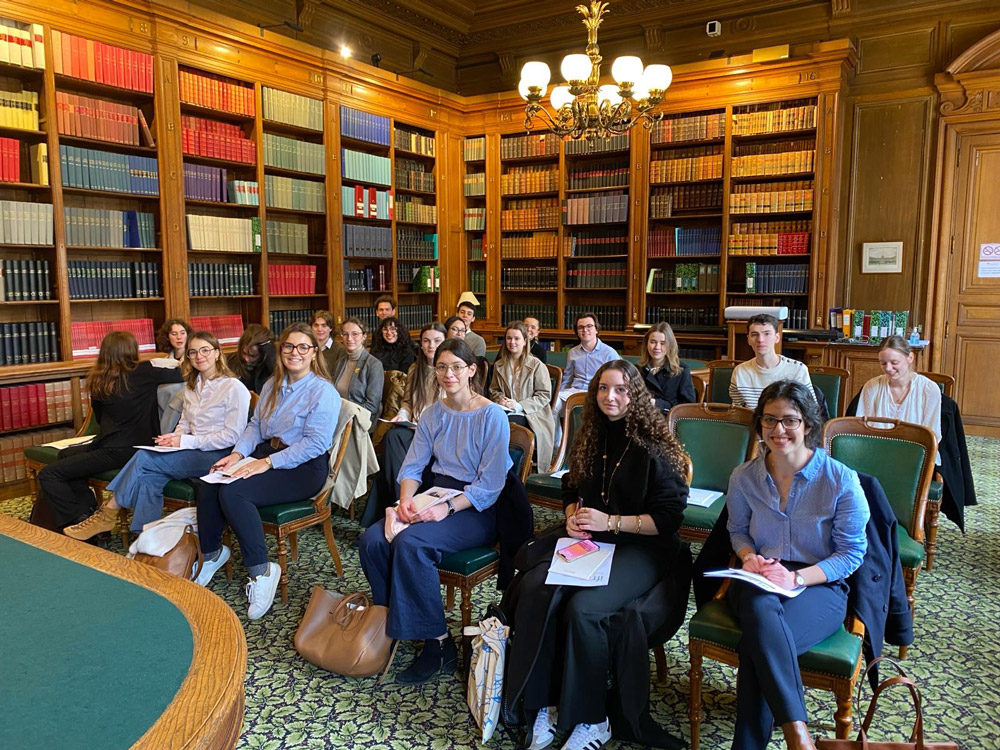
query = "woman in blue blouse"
{"x": 796, "y": 517}
{"x": 288, "y": 440}
{"x": 463, "y": 439}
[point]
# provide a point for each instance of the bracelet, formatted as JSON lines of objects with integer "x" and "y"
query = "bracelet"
{"x": 638, "y": 524}
{"x": 609, "y": 522}
{"x": 618, "y": 525}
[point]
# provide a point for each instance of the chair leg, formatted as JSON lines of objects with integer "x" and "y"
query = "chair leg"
{"x": 350, "y": 512}
{"x": 842, "y": 718}
{"x": 227, "y": 539}
{"x": 449, "y": 598}
{"x": 466, "y": 605}
{"x": 694, "y": 701}
{"x": 283, "y": 563}
{"x": 661, "y": 663}
{"x": 931, "y": 531}
{"x": 123, "y": 524}
{"x": 293, "y": 546}
{"x": 331, "y": 544}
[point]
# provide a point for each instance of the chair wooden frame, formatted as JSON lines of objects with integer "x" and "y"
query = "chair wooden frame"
{"x": 523, "y": 438}
{"x": 712, "y": 367}
{"x": 844, "y": 375}
{"x": 32, "y": 468}
{"x": 843, "y": 689}
{"x": 947, "y": 382}
{"x": 576, "y": 399}
{"x": 699, "y": 389}
{"x": 904, "y": 432}
{"x": 555, "y": 374}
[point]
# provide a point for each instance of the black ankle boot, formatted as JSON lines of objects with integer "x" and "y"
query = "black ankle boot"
{"x": 436, "y": 656}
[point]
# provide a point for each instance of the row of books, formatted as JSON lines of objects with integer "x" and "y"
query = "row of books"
{"x": 205, "y": 183}
{"x": 368, "y": 279}
{"x": 425, "y": 280}
{"x": 474, "y": 149}
{"x": 288, "y": 279}
{"x": 682, "y": 128}
{"x": 35, "y": 405}
{"x": 600, "y": 174}
{"x": 279, "y": 320}
{"x": 10, "y": 157}
{"x": 611, "y": 317}
{"x": 873, "y": 324}
{"x": 411, "y": 316}
{"x": 12, "y": 466}
{"x": 289, "y": 153}
{"x": 86, "y": 336}
{"x": 684, "y": 277}
{"x": 113, "y": 279}
{"x": 416, "y": 143}
{"x": 216, "y": 92}
{"x": 603, "y": 208}
{"x": 25, "y": 223}
{"x": 104, "y": 170}
{"x": 536, "y": 245}
{"x": 775, "y": 227}
{"x": 665, "y": 202}
{"x": 226, "y": 328}
{"x": 87, "y": 117}
{"x": 356, "y": 165}
{"x": 77, "y": 57}
{"x": 28, "y": 343}
{"x": 415, "y": 210}
{"x": 366, "y": 202}
{"x": 367, "y": 241}
{"x": 22, "y": 44}
{"x": 24, "y": 280}
{"x": 220, "y": 279}
{"x": 289, "y": 192}
{"x": 536, "y": 213}
{"x": 679, "y": 317}
{"x": 216, "y": 140}
{"x": 546, "y": 314}
{"x": 363, "y": 126}
{"x": 223, "y": 233}
{"x": 413, "y": 244}
{"x": 783, "y": 162}
{"x": 772, "y": 243}
{"x": 685, "y": 168}
{"x": 611, "y": 275}
{"x": 292, "y": 109}
{"x": 667, "y": 242}
{"x": 413, "y": 175}
{"x": 474, "y": 184}
{"x": 584, "y": 243}
{"x": 771, "y": 201}
{"x": 774, "y": 117}
{"x": 474, "y": 219}
{"x": 475, "y": 249}
{"x": 288, "y": 237}
{"x": 534, "y": 277}
{"x": 105, "y": 227}
{"x": 772, "y": 278}
{"x": 18, "y": 106}
{"x": 477, "y": 280}
{"x": 521, "y": 146}
{"x": 597, "y": 145}
{"x": 531, "y": 178}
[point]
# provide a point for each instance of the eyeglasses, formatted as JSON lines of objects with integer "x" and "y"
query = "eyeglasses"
{"x": 288, "y": 348}
{"x": 354, "y": 335}
{"x": 203, "y": 352}
{"x": 455, "y": 369}
{"x": 588, "y": 327}
{"x": 789, "y": 423}
{"x": 459, "y": 329}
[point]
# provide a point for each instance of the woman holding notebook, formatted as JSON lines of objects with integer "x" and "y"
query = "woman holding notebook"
{"x": 797, "y": 517}
{"x": 460, "y": 443}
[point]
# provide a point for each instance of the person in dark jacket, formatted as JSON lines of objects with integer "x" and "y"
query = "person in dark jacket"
{"x": 254, "y": 358}
{"x": 625, "y": 486}
{"x": 123, "y": 400}
{"x": 537, "y": 350}
{"x": 666, "y": 377}
{"x": 392, "y": 345}
{"x": 357, "y": 374}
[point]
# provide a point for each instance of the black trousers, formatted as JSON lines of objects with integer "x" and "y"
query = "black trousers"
{"x": 385, "y": 488}
{"x": 63, "y": 484}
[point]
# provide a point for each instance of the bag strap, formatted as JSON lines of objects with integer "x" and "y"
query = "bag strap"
{"x": 392, "y": 658}
{"x": 917, "y": 735}
{"x": 343, "y": 613}
{"x": 189, "y": 529}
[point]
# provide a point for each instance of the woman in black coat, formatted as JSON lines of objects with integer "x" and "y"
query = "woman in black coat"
{"x": 392, "y": 345}
{"x": 665, "y": 376}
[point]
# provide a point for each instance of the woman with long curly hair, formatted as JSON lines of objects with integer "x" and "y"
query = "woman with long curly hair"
{"x": 626, "y": 486}
{"x": 172, "y": 338}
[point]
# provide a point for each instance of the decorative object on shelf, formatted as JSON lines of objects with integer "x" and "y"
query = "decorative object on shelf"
{"x": 584, "y": 108}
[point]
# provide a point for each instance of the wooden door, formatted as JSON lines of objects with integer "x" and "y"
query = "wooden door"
{"x": 972, "y": 323}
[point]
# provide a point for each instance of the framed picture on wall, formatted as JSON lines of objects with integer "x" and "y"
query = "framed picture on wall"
{"x": 882, "y": 257}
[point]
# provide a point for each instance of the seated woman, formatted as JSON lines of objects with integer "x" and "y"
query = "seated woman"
{"x": 172, "y": 338}
{"x": 796, "y": 517}
{"x": 254, "y": 358}
{"x": 666, "y": 377}
{"x": 521, "y": 384}
{"x": 213, "y": 416}
{"x": 123, "y": 401}
{"x": 625, "y": 485}
{"x": 357, "y": 374}
{"x": 392, "y": 345}
{"x": 288, "y": 441}
{"x": 463, "y": 439}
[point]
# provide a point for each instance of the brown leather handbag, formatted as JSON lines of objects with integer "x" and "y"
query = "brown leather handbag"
{"x": 181, "y": 560}
{"x": 345, "y": 634}
{"x": 862, "y": 742}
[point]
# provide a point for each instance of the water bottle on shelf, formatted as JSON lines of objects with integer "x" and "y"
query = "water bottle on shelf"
{"x": 914, "y": 337}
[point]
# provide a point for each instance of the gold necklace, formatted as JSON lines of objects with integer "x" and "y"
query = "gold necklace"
{"x": 605, "y": 496}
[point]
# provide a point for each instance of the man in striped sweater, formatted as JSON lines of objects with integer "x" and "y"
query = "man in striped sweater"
{"x": 767, "y": 366}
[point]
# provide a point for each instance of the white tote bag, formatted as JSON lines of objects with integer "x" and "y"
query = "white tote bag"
{"x": 486, "y": 673}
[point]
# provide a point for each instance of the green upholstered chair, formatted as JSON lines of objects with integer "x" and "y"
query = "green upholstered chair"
{"x": 491, "y": 355}
{"x": 718, "y": 439}
{"x": 832, "y": 664}
{"x": 557, "y": 358}
{"x": 467, "y": 569}
{"x": 37, "y": 457}
{"x": 631, "y": 358}
{"x": 945, "y": 382}
{"x": 544, "y": 489}
{"x": 555, "y": 379}
{"x": 901, "y": 456}
{"x": 695, "y": 364}
{"x": 832, "y": 382}
{"x": 720, "y": 372}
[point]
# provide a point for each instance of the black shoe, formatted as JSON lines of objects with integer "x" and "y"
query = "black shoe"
{"x": 437, "y": 656}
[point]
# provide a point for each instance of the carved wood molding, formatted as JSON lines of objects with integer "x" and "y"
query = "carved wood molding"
{"x": 653, "y": 37}
{"x": 840, "y": 8}
{"x": 983, "y": 55}
{"x": 971, "y": 84}
{"x": 304, "y": 12}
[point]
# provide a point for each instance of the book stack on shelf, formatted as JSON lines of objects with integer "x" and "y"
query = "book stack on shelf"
{"x": 279, "y": 320}
{"x": 770, "y": 238}
{"x": 414, "y": 244}
{"x": 220, "y": 279}
{"x": 28, "y": 342}
{"x": 474, "y": 218}
{"x": 546, "y": 314}
{"x": 223, "y": 234}
{"x": 366, "y": 242}
{"x": 416, "y": 214}
{"x": 607, "y": 275}
{"x": 530, "y": 278}
{"x": 684, "y": 278}
{"x": 611, "y": 317}
{"x": 25, "y": 280}
{"x": 22, "y": 44}
{"x": 371, "y": 278}
{"x": 90, "y": 169}
{"x": 291, "y": 281}
{"x": 287, "y": 238}
{"x": 35, "y": 405}
{"x": 90, "y": 60}
{"x": 86, "y": 336}
{"x": 685, "y": 317}
{"x": 90, "y": 118}
{"x": 226, "y": 328}
{"x": 113, "y": 279}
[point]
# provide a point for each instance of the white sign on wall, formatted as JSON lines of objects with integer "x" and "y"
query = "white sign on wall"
{"x": 989, "y": 261}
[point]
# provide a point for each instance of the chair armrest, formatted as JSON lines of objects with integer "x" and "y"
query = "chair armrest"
{"x": 936, "y": 491}
{"x": 721, "y": 593}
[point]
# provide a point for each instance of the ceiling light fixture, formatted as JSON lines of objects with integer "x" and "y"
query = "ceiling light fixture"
{"x": 345, "y": 51}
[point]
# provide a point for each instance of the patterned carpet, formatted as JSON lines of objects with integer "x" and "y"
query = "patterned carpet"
{"x": 956, "y": 659}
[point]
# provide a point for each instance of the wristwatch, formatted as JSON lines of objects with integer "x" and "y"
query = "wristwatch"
{"x": 451, "y": 508}
{"x": 267, "y": 460}
{"x": 799, "y": 580}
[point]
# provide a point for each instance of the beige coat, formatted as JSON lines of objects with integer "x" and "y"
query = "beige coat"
{"x": 533, "y": 393}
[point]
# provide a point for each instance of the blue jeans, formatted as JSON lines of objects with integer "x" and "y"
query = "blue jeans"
{"x": 139, "y": 485}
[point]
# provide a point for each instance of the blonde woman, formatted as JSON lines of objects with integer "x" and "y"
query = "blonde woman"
{"x": 666, "y": 377}
{"x": 521, "y": 385}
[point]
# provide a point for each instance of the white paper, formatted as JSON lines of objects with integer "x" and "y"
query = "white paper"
{"x": 158, "y": 448}
{"x": 223, "y": 477}
{"x": 558, "y": 474}
{"x": 702, "y": 498}
{"x": 433, "y": 496}
{"x": 67, "y": 442}
{"x": 401, "y": 423}
{"x": 599, "y": 577}
{"x": 166, "y": 363}
{"x": 756, "y": 579}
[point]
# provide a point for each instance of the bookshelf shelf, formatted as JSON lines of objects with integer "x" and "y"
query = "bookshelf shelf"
{"x": 366, "y": 220}
{"x": 289, "y": 256}
{"x": 770, "y": 256}
{"x": 684, "y": 294}
{"x": 211, "y": 161}
{"x": 196, "y": 110}
{"x": 115, "y": 299}
{"x": 110, "y": 194}
{"x": 196, "y": 297}
{"x": 686, "y": 144}
{"x": 571, "y": 191}
{"x": 15, "y": 246}
{"x": 97, "y": 249}
{"x": 595, "y": 257}
{"x": 683, "y": 258}
{"x": 415, "y": 294}
{"x": 45, "y": 426}
{"x": 597, "y": 155}
{"x": 31, "y": 302}
{"x": 128, "y": 148}
{"x": 284, "y": 128}
{"x": 221, "y": 204}
{"x": 772, "y": 177}
{"x": 363, "y": 183}
{"x": 8, "y": 70}
{"x": 530, "y": 291}
{"x": 595, "y": 289}
{"x": 540, "y": 159}
{"x": 367, "y": 258}
{"x": 224, "y": 252}
{"x": 537, "y": 194}
{"x": 686, "y": 217}
{"x": 411, "y": 191}
{"x": 82, "y": 86}
{"x": 32, "y": 135}
{"x": 531, "y": 230}
{"x": 767, "y": 294}
{"x": 293, "y": 173}
{"x": 413, "y": 154}
{"x": 293, "y": 211}
{"x": 25, "y": 186}
{"x": 597, "y": 224}
{"x": 296, "y": 296}
{"x": 357, "y": 144}
{"x": 775, "y": 135}
{"x": 684, "y": 182}
{"x": 416, "y": 224}
{"x": 736, "y": 215}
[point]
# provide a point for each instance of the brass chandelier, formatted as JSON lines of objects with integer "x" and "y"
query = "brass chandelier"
{"x": 583, "y": 108}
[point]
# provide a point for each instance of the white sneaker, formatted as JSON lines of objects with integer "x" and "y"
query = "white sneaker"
{"x": 209, "y": 568}
{"x": 260, "y": 592}
{"x": 544, "y": 730}
{"x": 589, "y": 736}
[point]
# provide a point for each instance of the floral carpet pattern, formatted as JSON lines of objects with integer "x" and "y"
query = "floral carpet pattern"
{"x": 955, "y": 658}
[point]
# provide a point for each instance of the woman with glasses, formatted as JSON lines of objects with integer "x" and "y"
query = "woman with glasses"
{"x": 213, "y": 416}
{"x": 455, "y": 328}
{"x": 282, "y": 456}
{"x": 254, "y": 358}
{"x": 392, "y": 345}
{"x": 796, "y": 517}
{"x": 666, "y": 377}
{"x": 357, "y": 375}
{"x": 463, "y": 440}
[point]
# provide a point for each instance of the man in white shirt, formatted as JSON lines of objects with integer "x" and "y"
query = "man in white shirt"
{"x": 322, "y": 325}
{"x": 467, "y": 312}
{"x": 753, "y": 376}
{"x": 582, "y": 361}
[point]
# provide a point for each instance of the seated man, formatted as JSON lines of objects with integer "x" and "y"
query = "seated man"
{"x": 385, "y": 307}
{"x": 533, "y": 326}
{"x": 467, "y": 312}
{"x": 753, "y": 376}
{"x": 582, "y": 362}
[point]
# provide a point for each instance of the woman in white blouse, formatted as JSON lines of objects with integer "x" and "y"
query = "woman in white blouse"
{"x": 214, "y": 415}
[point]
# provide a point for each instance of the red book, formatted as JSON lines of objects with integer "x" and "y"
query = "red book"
{"x": 6, "y": 417}
{"x": 16, "y": 408}
{"x": 66, "y": 42}
{"x": 107, "y": 62}
{"x": 75, "y": 56}
{"x": 359, "y": 200}
{"x": 372, "y": 203}
{"x": 30, "y": 395}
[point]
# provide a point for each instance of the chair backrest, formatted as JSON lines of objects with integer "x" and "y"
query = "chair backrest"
{"x": 832, "y": 381}
{"x": 491, "y": 355}
{"x": 557, "y": 358}
{"x": 720, "y": 372}
{"x": 633, "y": 358}
{"x": 89, "y": 424}
{"x": 699, "y": 389}
{"x": 695, "y": 364}
{"x": 522, "y": 445}
{"x": 572, "y": 419}
{"x": 899, "y": 454}
{"x": 945, "y": 382}
{"x": 716, "y": 437}
{"x": 555, "y": 378}
{"x": 254, "y": 398}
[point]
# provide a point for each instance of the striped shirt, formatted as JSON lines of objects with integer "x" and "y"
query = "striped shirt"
{"x": 749, "y": 379}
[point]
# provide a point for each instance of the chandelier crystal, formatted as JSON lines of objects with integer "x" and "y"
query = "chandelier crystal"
{"x": 583, "y": 108}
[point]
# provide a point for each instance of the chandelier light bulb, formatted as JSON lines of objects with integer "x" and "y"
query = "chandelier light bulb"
{"x": 535, "y": 73}
{"x": 656, "y": 77}
{"x": 523, "y": 86}
{"x": 626, "y": 69}
{"x": 560, "y": 97}
{"x": 609, "y": 93}
{"x": 575, "y": 67}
